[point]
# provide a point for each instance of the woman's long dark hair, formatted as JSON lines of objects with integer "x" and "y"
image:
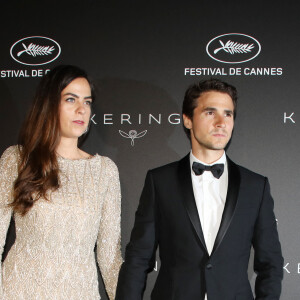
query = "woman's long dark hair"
{"x": 39, "y": 137}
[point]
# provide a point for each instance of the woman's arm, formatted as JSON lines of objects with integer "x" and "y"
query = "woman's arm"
{"x": 108, "y": 243}
{"x": 8, "y": 174}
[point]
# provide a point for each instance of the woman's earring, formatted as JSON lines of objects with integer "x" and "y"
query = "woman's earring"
{"x": 86, "y": 130}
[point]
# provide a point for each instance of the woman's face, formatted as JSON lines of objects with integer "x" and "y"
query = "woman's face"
{"x": 75, "y": 108}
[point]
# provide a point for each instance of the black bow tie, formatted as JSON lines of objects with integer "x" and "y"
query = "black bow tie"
{"x": 217, "y": 169}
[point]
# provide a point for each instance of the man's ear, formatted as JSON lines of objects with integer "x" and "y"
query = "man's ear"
{"x": 187, "y": 122}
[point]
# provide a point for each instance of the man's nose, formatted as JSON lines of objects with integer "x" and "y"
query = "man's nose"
{"x": 220, "y": 122}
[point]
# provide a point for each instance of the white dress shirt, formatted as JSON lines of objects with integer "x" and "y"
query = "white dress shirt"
{"x": 210, "y": 196}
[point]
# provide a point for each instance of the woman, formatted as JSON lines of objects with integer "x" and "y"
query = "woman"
{"x": 63, "y": 200}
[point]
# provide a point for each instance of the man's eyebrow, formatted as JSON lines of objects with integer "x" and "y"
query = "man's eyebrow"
{"x": 215, "y": 109}
{"x": 209, "y": 108}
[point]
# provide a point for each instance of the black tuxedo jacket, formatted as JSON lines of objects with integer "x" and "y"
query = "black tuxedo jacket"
{"x": 167, "y": 217}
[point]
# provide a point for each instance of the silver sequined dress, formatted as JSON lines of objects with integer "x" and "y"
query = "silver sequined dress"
{"x": 53, "y": 255}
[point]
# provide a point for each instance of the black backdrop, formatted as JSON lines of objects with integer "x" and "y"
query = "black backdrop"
{"x": 140, "y": 55}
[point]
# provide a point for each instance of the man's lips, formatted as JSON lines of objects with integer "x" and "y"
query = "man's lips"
{"x": 219, "y": 134}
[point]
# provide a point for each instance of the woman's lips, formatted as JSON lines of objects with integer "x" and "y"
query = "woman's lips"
{"x": 79, "y": 122}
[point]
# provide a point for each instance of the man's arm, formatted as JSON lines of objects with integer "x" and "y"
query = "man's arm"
{"x": 140, "y": 252}
{"x": 268, "y": 260}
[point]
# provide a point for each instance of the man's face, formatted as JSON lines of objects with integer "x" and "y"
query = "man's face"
{"x": 212, "y": 123}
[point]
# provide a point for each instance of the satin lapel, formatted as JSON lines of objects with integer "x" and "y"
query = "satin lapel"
{"x": 234, "y": 179}
{"x": 185, "y": 181}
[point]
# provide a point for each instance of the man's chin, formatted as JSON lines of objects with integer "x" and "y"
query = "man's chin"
{"x": 217, "y": 147}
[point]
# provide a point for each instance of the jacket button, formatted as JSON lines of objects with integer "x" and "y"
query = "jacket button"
{"x": 209, "y": 266}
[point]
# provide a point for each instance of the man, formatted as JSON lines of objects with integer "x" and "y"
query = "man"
{"x": 204, "y": 212}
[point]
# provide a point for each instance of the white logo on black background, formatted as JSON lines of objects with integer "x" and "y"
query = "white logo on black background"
{"x": 235, "y": 48}
{"x": 132, "y": 134}
{"x": 232, "y": 47}
{"x": 35, "y": 50}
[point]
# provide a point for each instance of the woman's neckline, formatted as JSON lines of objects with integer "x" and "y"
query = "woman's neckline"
{"x": 91, "y": 157}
